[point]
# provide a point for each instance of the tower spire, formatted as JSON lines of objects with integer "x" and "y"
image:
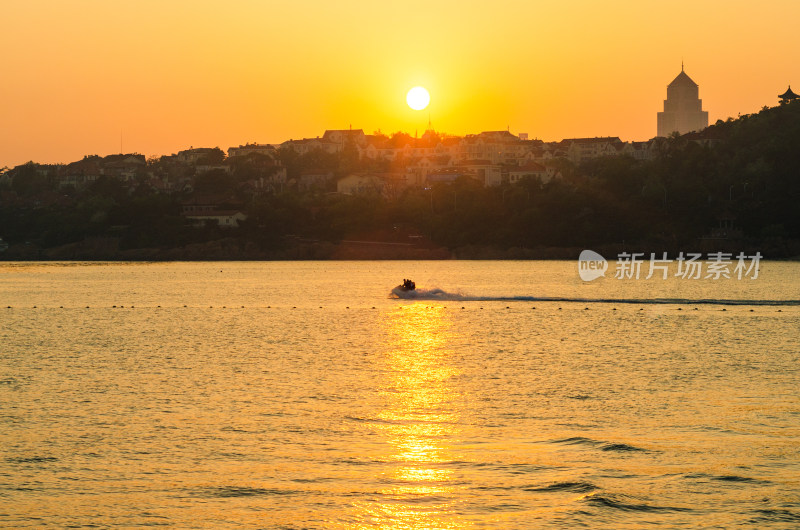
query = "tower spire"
{"x": 681, "y": 65}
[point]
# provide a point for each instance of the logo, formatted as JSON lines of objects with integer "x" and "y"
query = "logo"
{"x": 591, "y": 265}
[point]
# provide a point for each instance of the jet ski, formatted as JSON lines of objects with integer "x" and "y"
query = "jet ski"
{"x": 405, "y": 289}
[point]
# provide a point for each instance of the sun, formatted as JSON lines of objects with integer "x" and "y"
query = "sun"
{"x": 418, "y": 98}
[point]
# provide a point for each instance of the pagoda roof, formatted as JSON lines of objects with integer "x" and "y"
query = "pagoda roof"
{"x": 789, "y": 94}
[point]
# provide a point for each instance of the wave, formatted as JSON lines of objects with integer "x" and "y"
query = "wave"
{"x": 436, "y": 294}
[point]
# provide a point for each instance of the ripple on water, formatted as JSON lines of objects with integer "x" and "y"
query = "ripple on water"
{"x": 775, "y": 516}
{"x": 242, "y": 491}
{"x": 516, "y": 468}
{"x": 727, "y": 478}
{"x": 32, "y": 459}
{"x": 572, "y": 487}
{"x": 601, "y": 445}
{"x": 620, "y": 448}
{"x": 623, "y": 503}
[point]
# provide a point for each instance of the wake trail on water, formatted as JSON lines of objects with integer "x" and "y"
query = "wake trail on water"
{"x": 435, "y": 294}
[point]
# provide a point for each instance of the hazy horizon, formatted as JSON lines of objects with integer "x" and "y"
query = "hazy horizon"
{"x": 97, "y": 78}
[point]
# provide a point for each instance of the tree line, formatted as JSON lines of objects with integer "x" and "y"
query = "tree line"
{"x": 741, "y": 173}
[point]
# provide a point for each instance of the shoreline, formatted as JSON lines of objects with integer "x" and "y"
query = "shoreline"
{"x": 231, "y": 249}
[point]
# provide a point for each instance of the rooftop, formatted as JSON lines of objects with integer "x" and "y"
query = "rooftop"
{"x": 789, "y": 94}
{"x": 682, "y": 79}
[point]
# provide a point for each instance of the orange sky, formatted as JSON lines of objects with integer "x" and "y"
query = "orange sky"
{"x": 165, "y": 75}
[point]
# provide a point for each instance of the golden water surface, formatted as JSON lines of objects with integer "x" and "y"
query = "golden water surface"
{"x": 300, "y": 395}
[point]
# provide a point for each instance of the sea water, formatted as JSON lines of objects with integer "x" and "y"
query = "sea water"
{"x": 303, "y": 395}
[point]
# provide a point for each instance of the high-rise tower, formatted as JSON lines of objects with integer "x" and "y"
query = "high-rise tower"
{"x": 683, "y": 109}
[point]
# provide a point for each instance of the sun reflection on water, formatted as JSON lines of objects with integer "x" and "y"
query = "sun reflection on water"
{"x": 420, "y": 422}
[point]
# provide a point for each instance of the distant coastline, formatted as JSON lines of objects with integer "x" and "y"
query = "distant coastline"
{"x": 733, "y": 187}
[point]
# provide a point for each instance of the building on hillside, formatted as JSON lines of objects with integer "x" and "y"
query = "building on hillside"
{"x": 226, "y": 211}
{"x": 262, "y": 170}
{"x": 244, "y": 150}
{"x": 499, "y": 147}
{"x": 124, "y": 167}
{"x": 788, "y": 96}
{"x": 447, "y": 175}
{"x": 358, "y": 184}
{"x": 342, "y": 137}
{"x": 204, "y": 204}
{"x": 638, "y": 150}
{"x": 484, "y": 171}
{"x": 308, "y": 145}
{"x": 312, "y": 179}
{"x": 192, "y": 155}
{"x": 223, "y": 218}
{"x": 532, "y": 170}
{"x": 418, "y": 168}
{"x": 581, "y": 149}
{"x": 81, "y": 173}
{"x": 683, "y": 110}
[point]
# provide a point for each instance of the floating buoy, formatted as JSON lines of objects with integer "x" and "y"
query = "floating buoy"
{"x": 113, "y": 306}
{"x": 752, "y": 310}
{"x": 585, "y": 308}
{"x": 680, "y": 309}
{"x": 724, "y": 309}
{"x": 614, "y": 309}
{"x": 696, "y": 309}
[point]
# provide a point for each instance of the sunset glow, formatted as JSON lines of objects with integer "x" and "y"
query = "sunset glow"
{"x": 154, "y": 77}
